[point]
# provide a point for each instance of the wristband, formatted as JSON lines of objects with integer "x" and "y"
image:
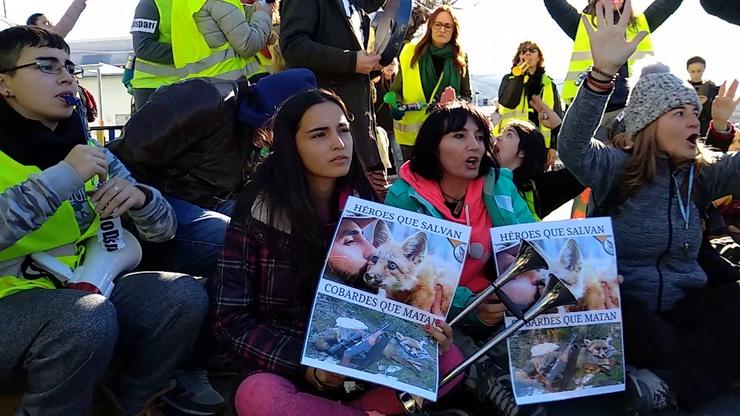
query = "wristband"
{"x": 613, "y": 77}
{"x": 598, "y": 86}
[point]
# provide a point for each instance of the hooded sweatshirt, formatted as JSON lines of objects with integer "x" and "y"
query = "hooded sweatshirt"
{"x": 489, "y": 201}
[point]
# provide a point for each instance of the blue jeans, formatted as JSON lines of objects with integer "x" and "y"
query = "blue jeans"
{"x": 199, "y": 238}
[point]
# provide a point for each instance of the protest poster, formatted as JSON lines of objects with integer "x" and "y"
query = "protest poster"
{"x": 572, "y": 351}
{"x": 367, "y": 322}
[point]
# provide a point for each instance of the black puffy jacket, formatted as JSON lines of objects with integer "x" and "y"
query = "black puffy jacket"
{"x": 187, "y": 143}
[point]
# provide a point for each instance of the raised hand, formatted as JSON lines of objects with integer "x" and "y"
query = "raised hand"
{"x": 609, "y": 48}
{"x": 448, "y": 96}
{"x": 724, "y": 104}
{"x": 546, "y": 115}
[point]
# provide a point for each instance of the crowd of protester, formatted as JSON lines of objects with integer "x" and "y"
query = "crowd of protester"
{"x": 254, "y": 122}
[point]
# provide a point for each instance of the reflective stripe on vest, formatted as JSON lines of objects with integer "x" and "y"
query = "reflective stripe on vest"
{"x": 151, "y": 74}
{"x": 58, "y": 230}
{"x": 522, "y": 110}
{"x": 407, "y": 128}
{"x": 581, "y": 60}
{"x": 192, "y": 53}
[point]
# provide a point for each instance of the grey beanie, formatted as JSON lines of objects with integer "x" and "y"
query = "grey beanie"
{"x": 655, "y": 93}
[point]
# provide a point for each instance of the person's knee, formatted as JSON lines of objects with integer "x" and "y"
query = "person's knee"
{"x": 259, "y": 394}
{"x": 185, "y": 299}
{"x": 89, "y": 323}
{"x": 82, "y": 333}
{"x": 450, "y": 359}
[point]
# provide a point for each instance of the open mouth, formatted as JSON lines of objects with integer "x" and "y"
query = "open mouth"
{"x": 68, "y": 97}
{"x": 472, "y": 162}
{"x": 693, "y": 138}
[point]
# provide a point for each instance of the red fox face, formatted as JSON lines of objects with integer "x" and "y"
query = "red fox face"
{"x": 393, "y": 266}
{"x": 600, "y": 348}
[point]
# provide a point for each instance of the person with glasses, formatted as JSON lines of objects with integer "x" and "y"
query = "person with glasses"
{"x": 527, "y": 93}
{"x": 56, "y": 185}
{"x": 426, "y": 69}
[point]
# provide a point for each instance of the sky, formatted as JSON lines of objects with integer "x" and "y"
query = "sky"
{"x": 490, "y": 32}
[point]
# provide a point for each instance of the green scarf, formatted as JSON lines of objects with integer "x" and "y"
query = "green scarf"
{"x": 450, "y": 73}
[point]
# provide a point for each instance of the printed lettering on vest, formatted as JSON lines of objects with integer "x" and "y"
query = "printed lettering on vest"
{"x": 144, "y": 25}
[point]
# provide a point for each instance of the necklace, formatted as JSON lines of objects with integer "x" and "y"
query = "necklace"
{"x": 685, "y": 208}
{"x": 459, "y": 202}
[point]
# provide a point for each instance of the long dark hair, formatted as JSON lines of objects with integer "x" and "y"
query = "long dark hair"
{"x": 281, "y": 182}
{"x": 532, "y": 143}
{"x": 457, "y": 52}
{"x": 446, "y": 119}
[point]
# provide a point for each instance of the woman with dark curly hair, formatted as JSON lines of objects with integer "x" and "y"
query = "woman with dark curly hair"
{"x": 528, "y": 94}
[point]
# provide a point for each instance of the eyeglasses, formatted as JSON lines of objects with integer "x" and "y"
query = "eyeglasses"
{"x": 439, "y": 26}
{"x": 50, "y": 66}
{"x": 531, "y": 49}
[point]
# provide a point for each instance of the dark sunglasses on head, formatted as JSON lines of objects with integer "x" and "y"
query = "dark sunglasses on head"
{"x": 50, "y": 66}
{"x": 531, "y": 49}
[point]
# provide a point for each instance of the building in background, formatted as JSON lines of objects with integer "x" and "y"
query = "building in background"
{"x": 103, "y": 61}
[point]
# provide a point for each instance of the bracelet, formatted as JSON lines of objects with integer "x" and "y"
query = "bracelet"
{"x": 598, "y": 85}
{"x": 604, "y": 74}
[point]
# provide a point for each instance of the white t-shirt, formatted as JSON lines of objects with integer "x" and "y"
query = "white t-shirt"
{"x": 355, "y": 19}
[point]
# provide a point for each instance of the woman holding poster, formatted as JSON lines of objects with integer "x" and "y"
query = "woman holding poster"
{"x": 273, "y": 254}
{"x": 455, "y": 175}
{"x": 675, "y": 328}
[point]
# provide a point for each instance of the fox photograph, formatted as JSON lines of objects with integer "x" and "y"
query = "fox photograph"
{"x": 385, "y": 349}
{"x": 585, "y": 264}
{"x": 557, "y": 360}
{"x": 402, "y": 263}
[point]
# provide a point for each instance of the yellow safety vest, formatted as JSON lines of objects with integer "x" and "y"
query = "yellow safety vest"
{"x": 265, "y": 64}
{"x": 192, "y": 53}
{"x": 153, "y": 75}
{"x": 522, "y": 110}
{"x": 529, "y": 199}
{"x": 59, "y": 230}
{"x": 581, "y": 58}
{"x": 407, "y": 128}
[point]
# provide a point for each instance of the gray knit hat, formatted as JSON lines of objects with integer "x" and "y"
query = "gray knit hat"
{"x": 655, "y": 93}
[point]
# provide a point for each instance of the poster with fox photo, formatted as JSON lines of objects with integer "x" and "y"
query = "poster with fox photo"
{"x": 387, "y": 274}
{"x": 574, "y": 350}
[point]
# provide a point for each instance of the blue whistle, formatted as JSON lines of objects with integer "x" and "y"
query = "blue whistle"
{"x": 71, "y": 100}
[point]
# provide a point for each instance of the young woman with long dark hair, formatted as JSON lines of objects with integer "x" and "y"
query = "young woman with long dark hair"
{"x": 273, "y": 254}
{"x": 521, "y": 148}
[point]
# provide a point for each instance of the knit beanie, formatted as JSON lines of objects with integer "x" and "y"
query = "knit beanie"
{"x": 656, "y": 92}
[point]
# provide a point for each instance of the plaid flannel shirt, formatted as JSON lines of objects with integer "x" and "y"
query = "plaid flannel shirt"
{"x": 257, "y": 309}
